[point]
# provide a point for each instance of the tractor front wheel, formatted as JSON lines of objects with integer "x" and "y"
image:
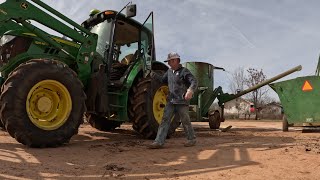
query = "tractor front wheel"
{"x": 42, "y": 103}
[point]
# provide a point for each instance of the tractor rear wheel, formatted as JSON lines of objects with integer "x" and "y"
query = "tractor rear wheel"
{"x": 147, "y": 102}
{"x": 214, "y": 120}
{"x": 102, "y": 123}
{"x": 42, "y": 103}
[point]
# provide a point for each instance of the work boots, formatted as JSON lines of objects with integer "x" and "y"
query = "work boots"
{"x": 190, "y": 143}
{"x": 155, "y": 145}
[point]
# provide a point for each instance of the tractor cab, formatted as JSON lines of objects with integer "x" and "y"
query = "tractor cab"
{"x": 122, "y": 42}
{"x": 127, "y": 50}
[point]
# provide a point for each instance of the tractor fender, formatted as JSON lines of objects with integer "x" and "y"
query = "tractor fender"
{"x": 159, "y": 66}
{"x": 136, "y": 72}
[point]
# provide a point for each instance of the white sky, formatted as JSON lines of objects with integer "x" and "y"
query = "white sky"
{"x": 273, "y": 35}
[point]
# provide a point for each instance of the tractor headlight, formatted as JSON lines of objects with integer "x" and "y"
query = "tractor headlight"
{"x": 5, "y": 39}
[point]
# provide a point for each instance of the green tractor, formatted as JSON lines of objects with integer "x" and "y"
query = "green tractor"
{"x": 96, "y": 71}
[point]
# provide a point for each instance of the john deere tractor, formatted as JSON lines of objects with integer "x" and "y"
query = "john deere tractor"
{"x": 97, "y": 70}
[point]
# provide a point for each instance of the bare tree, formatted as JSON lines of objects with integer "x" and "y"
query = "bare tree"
{"x": 238, "y": 81}
{"x": 242, "y": 79}
{"x": 259, "y": 96}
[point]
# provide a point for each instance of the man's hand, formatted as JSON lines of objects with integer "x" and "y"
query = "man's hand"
{"x": 188, "y": 95}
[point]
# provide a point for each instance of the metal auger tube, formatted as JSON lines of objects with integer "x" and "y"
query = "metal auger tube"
{"x": 279, "y": 76}
{"x": 225, "y": 97}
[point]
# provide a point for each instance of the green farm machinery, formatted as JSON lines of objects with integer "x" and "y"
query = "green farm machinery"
{"x": 96, "y": 71}
{"x": 299, "y": 99}
{"x": 206, "y": 93}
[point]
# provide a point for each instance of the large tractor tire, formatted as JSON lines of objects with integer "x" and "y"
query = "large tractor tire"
{"x": 147, "y": 102}
{"x": 214, "y": 120}
{"x": 102, "y": 123}
{"x": 42, "y": 103}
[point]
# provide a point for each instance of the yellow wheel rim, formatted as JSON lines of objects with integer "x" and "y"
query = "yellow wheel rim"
{"x": 159, "y": 102}
{"x": 48, "y": 104}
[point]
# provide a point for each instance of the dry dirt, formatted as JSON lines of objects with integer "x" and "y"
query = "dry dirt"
{"x": 250, "y": 150}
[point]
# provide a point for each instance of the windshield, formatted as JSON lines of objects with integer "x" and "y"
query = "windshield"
{"x": 125, "y": 41}
{"x": 128, "y": 52}
{"x": 103, "y": 31}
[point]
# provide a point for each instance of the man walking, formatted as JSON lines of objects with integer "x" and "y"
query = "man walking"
{"x": 182, "y": 84}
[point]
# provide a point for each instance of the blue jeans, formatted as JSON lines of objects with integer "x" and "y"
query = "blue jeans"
{"x": 171, "y": 109}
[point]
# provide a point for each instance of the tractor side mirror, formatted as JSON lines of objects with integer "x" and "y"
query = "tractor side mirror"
{"x": 131, "y": 10}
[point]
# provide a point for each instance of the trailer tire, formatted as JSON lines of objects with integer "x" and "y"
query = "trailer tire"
{"x": 285, "y": 124}
{"x": 146, "y": 107}
{"x": 214, "y": 120}
{"x": 102, "y": 123}
{"x": 42, "y": 103}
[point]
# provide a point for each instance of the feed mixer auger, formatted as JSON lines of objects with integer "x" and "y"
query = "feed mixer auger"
{"x": 206, "y": 94}
{"x": 300, "y": 100}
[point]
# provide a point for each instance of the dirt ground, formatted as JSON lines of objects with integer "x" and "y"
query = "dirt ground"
{"x": 250, "y": 150}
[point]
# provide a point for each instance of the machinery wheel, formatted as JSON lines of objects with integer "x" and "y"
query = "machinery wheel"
{"x": 102, "y": 123}
{"x": 147, "y": 102}
{"x": 214, "y": 120}
{"x": 42, "y": 103}
{"x": 285, "y": 124}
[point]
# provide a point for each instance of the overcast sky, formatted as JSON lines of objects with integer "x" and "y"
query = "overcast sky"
{"x": 273, "y": 35}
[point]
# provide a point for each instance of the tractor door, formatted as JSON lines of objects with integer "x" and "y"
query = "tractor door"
{"x": 147, "y": 49}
